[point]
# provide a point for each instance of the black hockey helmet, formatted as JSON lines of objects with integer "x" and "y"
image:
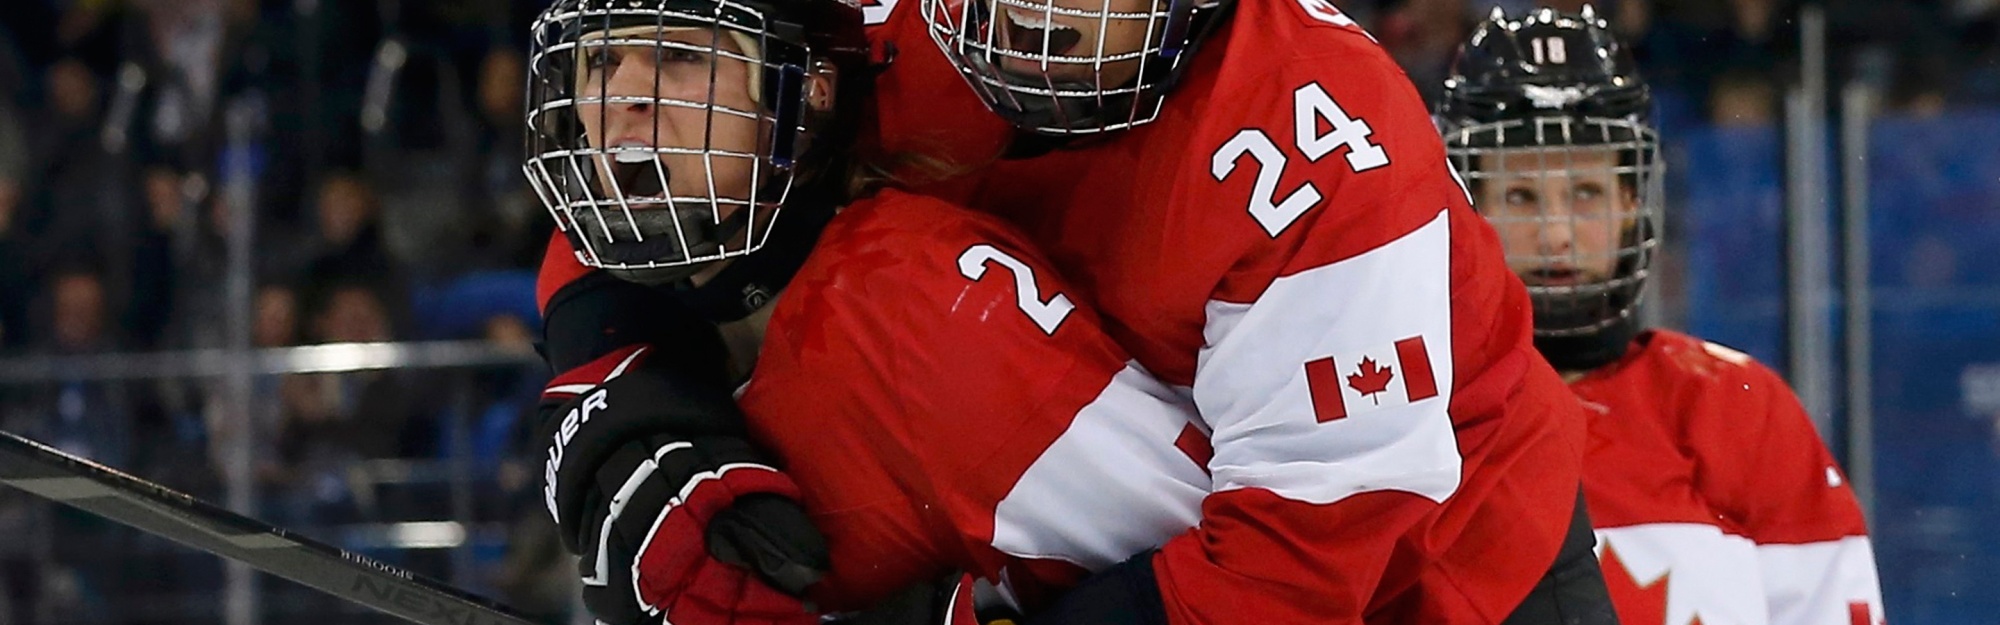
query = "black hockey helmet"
{"x": 656, "y": 205}
{"x": 1548, "y": 119}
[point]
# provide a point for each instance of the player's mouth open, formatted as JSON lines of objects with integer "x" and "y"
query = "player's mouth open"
{"x": 639, "y": 173}
{"x": 1555, "y": 276}
{"x": 1029, "y": 33}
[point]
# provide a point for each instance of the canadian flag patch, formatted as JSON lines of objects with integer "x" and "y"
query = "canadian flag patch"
{"x": 1391, "y": 375}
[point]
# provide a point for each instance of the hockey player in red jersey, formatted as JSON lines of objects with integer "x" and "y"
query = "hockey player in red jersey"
{"x": 1254, "y": 197}
{"x": 937, "y": 400}
{"x": 1713, "y": 499}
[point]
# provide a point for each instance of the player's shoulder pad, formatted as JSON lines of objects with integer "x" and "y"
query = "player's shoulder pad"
{"x": 906, "y": 255}
{"x": 1715, "y": 363}
{"x": 1316, "y": 82}
{"x": 1279, "y": 33}
{"x": 911, "y": 226}
{"x": 1323, "y": 18}
{"x": 1312, "y": 144}
{"x": 905, "y": 278}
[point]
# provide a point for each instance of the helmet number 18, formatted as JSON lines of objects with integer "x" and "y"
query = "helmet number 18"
{"x": 1550, "y": 50}
{"x": 1310, "y": 106}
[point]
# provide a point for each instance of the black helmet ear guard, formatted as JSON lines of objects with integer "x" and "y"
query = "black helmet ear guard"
{"x": 1538, "y": 112}
{"x": 693, "y": 184}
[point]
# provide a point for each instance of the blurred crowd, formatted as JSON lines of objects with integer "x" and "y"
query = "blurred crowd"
{"x": 373, "y": 148}
{"x": 378, "y": 139}
{"x": 1727, "y": 61}
{"x": 376, "y": 144}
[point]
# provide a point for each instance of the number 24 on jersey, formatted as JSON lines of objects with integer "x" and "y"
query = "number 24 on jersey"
{"x": 1310, "y": 105}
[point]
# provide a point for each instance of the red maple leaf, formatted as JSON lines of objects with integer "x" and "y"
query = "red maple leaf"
{"x": 1195, "y": 445}
{"x": 1643, "y": 605}
{"x": 1857, "y": 614}
{"x": 1371, "y": 379}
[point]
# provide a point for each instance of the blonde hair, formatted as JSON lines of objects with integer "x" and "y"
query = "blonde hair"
{"x": 906, "y": 169}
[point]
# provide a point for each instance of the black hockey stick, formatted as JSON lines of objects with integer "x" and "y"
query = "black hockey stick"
{"x": 158, "y": 510}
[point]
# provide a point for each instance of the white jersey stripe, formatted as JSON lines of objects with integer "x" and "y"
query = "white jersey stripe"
{"x": 1818, "y": 582}
{"x": 1111, "y": 485}
{"x": 1381, "y": 429}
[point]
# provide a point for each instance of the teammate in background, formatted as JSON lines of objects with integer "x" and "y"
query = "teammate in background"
{"x": 937, "y": 401}
{"x": 1254, "y": 197}
{"x": 1712, "y": 496}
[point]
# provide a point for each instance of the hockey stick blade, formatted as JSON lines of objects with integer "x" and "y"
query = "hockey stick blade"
{"x": 158, "y": 510}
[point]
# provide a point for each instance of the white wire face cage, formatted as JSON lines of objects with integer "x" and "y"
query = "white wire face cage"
{"x": 662, "y": 134}
{"x": 1068, "y": 67}
{"x": 1576, "y": 202}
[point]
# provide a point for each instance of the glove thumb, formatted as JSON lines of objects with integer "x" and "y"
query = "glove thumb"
{"x": 771, "y": 536}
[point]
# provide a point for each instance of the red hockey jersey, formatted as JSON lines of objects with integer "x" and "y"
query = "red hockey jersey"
{"x": 1713, "y": 498}
{"x": 923, "y": 109}
{"x": 1288, "y": 246}
{"x": 944, "y": 404}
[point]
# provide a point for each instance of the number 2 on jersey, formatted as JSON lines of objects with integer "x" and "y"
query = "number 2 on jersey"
{"x": 1310, "y": 105}
{"x": 1048, "y": 315}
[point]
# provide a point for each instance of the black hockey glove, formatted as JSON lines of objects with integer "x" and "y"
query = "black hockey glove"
{"x": 1126, "y": 594}
{"x": 672, "y": 512}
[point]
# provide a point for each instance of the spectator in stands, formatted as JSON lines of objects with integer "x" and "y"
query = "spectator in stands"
{"x": 1422, "y": 35}
{"x": 274, "y": 323}
{"x": 344, "y": 245}
{"x": 78, "y": 310}
{"x": 347, "y": 242}
{"x": 330, "y": 420}
{"x": 513, "y": 232}
{"x": 372, "y": 414}
{"x": 277, "y": 316}
{"x": 1689, "y": 44}
{"x": 78, "y": 196}
{"x": 73, "y": 204}
{"x": 1742, "y": 97}
{"x": 185, "y": 61}
{"x": 97, "y": 419}
{"x": 91, "y": 418}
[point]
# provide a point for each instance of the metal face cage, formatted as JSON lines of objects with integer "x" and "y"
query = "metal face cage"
{"x": 1066, "y": 67}
{"x": 662, "y": 134}
{"x": 1576, "y": 202}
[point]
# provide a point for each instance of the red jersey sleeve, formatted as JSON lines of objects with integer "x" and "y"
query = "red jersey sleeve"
{"x": 1762, "y": 465}
{"x": 1360, "y": 348}
{"x": 559, "y": 268}
{"x": 945, "y": 404}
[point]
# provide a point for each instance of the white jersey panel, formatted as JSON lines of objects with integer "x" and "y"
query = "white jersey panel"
{"x": 1703, "y": 572}
{"x": 1336, "y": 380}
{"x": 1824, "y": 582}
{"x": 1117, "y": 482}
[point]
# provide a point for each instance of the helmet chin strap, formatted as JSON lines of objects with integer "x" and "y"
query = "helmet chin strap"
{"x": 1585, "y": 352}
{"x": 661, "y": 246}
{"x": 752, "y": 281}
{"x": 1071, "y": 113}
